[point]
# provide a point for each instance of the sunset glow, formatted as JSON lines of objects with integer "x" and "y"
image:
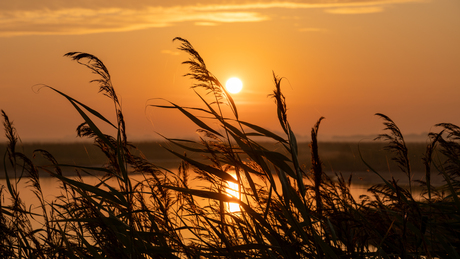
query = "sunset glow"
{"x": 343, "y": 60}
{"x": 230, "y": 129}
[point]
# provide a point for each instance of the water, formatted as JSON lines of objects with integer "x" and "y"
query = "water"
{"x": 51, "y": 187}
{"x": 337, "y": 157}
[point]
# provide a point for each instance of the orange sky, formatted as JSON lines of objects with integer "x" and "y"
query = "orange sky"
{"x": 344, "y": 60}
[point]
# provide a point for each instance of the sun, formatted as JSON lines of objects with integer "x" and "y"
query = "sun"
{"x": 234, "y": 85}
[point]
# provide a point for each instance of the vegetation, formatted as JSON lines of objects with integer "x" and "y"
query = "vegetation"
{"x": 286, "y": 210}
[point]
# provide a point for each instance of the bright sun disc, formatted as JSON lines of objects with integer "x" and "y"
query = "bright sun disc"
{"x": 234, "y": 85}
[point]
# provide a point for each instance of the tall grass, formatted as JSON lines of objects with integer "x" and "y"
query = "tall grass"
{"x": 286, "y": 210}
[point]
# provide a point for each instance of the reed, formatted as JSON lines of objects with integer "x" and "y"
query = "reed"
{"x": 286, "y": 210}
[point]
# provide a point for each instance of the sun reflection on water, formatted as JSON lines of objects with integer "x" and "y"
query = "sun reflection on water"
{"x": 233, "y": 191}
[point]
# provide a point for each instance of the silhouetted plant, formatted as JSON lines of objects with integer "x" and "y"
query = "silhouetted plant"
{"x": 286, "y": 211}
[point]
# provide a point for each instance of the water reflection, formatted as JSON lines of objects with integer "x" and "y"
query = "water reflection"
{"x": 233, "y": 191}
{"x": 51, "y": 189}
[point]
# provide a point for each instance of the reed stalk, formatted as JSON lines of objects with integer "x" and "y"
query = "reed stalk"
{"x": 137, "y": 209}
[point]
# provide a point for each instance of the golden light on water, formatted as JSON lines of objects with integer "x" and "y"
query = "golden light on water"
{"x": 233, "y": 191}
{"x": 234, "y": 85}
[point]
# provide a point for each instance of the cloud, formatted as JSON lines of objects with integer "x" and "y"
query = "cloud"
{"x": 85, "y": 21}
{"x": 299, "y": 4}
{"x": 206, "y": 23}
{"x": 302, "y": 4}
{"x": 69, "y": 17}
{"x": 356, "y": 10}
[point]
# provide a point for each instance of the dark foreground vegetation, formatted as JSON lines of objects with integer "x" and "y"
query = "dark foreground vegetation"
{"x": 286, "y": 209}
{"x": 341, "y": 157}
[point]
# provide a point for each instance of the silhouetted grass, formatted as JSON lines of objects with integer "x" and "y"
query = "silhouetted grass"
{"x": 289, "y": 207}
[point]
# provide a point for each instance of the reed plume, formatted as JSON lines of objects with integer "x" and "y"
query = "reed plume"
{"x": 283, "y": 211}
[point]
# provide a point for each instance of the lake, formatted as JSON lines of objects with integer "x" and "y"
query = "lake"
{"x": 338, "y": 157}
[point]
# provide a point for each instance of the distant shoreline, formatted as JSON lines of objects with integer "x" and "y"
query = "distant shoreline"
{"x": 358, "y": 178}
{"x": 335, "y": 156}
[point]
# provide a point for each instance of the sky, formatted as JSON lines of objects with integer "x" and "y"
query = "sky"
{"x": 344, "y": 60}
